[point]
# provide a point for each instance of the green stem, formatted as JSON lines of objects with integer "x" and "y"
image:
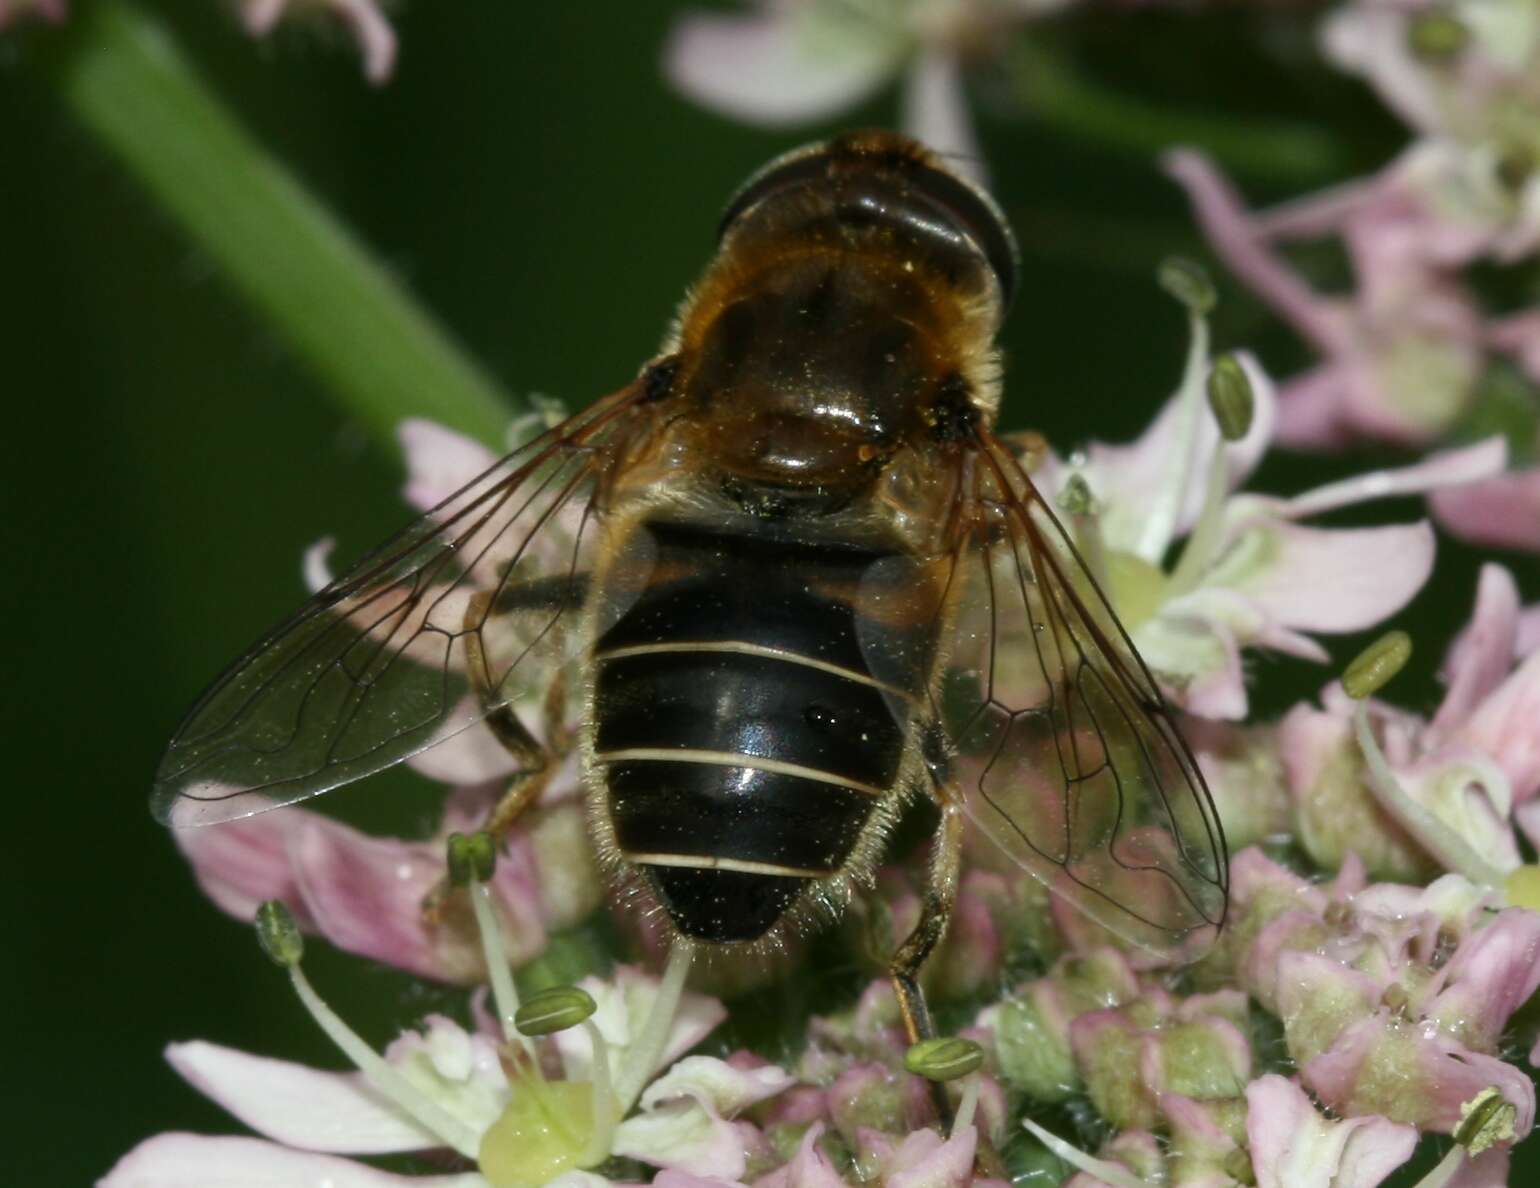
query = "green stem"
{"x": 376, "y": 350}
{"x": 1058, "y": 95}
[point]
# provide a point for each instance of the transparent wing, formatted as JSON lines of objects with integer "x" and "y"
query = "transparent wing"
{"x": 462, "y": 614}
{"x": 1065, "y": 749}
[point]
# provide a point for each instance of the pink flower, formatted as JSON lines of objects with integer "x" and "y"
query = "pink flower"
{"x": 1293, "y": 1146}
{"x": 1400, "y": 355}
{"x": 1469, "y": 766}
{"x": 366, "y": 894}
{"x": 362, "y": 18}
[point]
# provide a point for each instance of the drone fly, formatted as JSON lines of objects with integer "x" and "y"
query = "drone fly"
{"x": 787, "y": 582}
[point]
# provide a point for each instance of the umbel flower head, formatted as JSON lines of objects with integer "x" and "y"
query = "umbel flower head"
{"x": 1336, "y": 1019}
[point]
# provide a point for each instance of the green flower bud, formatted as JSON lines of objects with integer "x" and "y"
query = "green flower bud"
{"x": 1373, "y": 667}
{"x": 1229, "y": 396}
{"x": 1076, "y": 498}
{"x": 1436, "y": 36}
{"x": 943, "y": 1059}
{"x": 554, "y": 1010}
{"x": 1188, "y": 282}
{"x": 471, "y": 856}
{"x": 278, "y": 934}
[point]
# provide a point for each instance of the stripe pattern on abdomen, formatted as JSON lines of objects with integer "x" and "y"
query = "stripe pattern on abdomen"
{"x": 743, "y": 740}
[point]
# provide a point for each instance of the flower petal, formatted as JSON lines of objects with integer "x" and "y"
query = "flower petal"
{"x": 715, "y": 1083}
{"x": 924, "y": 1160}
{"x": 795, "y": 64}
{"x": 365, "y": 895}
{"x": 340, "y": 1113}
{"x": 241, "y": 864}
{"x": 1482, "y": 653}
{"x": 808, "y": 1167}
{"x": 1447, "y": 468}
{"x": 473, "y": 756}
{"x": 1490, "y": 976}
{"x": 439, "y": 461}
{"x": 683, "y": 1135}
{"x": 1502, "y": 512}
{"x": 1338, "y": 579}
{"x": 1415, "y": 1073}
{"x": 1292, "y": 1146}
{"x": 199, "y": 1161}
{"x": 1503, "y": 729}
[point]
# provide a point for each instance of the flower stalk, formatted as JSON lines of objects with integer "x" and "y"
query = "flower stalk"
{"x": 377, "y": 352}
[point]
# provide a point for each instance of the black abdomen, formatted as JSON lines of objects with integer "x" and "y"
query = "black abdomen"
{"x": 744, "y": 740}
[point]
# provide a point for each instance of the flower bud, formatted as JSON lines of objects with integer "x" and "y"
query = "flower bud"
{"x": 554, "y": 1010}
{"x": 944, "y": 1058}
{"x": 278, "y": 934}
{"x": 1372, "y": 669}
{"x": 1187, "y": 281}
{"x": 1075, "y": 499}
{"x": 1230, "y": 398}
{"x": 1435, "y": 36}
{"x": 471, "y": 856}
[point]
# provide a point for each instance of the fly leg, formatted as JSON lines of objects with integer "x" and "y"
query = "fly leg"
{"x": 935, "y": 914}
{"x": 538, "y": 761}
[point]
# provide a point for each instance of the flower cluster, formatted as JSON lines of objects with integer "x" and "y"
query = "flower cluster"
{"x": 1332, "y": 1023}
{"x": 1373, "y": 981}
{"x": 364, "y": 21}
{"x": 1410, "y": 354}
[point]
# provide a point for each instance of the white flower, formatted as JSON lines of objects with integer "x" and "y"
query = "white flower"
{"x": 795, "y": 61}
{"x": 522, "y": 1128}
{"x": 1250, "y": 574}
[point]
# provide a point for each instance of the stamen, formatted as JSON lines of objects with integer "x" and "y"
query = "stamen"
{"x": 1486, "y": 1120}
{"x": 1451, "y": 850}
{"x": 1372, "y": 669}
{"x": 276, "y": 931}
{"x": 968, "y": 1105}
{"x": 1098, "y": 1169}
{"x": 472, "y": 861}
{"x": 607, "y": 1110}
{"x": 1230, "y": 399}
{"x": 644, "y": 1053}
{"x": 1188, "y": 283}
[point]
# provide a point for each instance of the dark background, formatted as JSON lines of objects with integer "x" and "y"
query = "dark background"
{"x": 533, "y": 180}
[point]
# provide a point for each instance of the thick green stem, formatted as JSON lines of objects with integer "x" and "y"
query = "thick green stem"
{"x": 378, "y": 352}
{"x": 1059, "y": 95}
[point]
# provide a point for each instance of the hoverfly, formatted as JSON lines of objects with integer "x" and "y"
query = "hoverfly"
{"x": 789, "y": 580}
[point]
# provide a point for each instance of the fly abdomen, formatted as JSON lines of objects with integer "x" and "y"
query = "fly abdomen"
{"x": 744, "y": 743}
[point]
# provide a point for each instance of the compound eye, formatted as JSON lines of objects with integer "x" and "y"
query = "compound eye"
{"x": 918, "y": 174}
{"x": 971, "y": 209}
